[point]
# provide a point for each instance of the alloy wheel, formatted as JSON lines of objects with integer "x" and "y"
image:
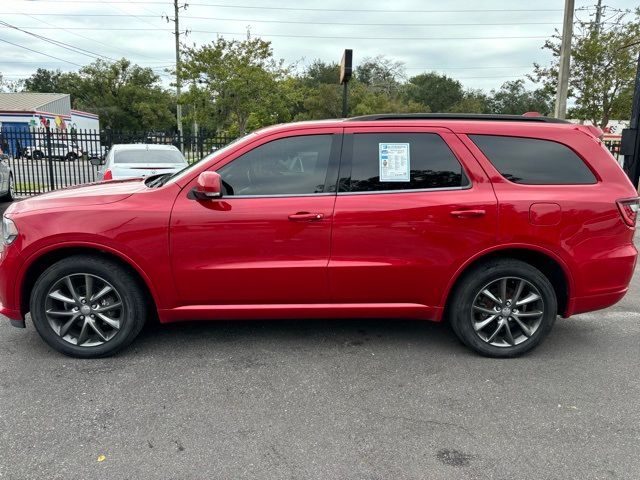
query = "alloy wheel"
{"x": 84, "y": 310}
{"x": 507, "y": 312}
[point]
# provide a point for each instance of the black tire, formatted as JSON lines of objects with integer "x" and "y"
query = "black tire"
{"x": 71, "y": 157}
{"x": 473, "y": 282}
{"x": 133, "y": 312}
{"x": 8, "y": 197}
{"x": 37, "y": 155}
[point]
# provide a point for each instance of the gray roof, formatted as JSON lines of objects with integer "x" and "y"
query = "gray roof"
{"x": 59, "y": 103}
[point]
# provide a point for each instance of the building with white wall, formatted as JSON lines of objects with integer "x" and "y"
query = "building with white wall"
{"x": 22, "y": 110}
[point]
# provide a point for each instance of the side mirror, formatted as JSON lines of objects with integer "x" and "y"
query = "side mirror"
{"x": 96, "y": 162}
{"x": 208, "y": 186}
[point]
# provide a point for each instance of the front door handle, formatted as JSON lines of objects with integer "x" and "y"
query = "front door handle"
{"x": 306, "y": 217}
{"x": 468, "y": 213}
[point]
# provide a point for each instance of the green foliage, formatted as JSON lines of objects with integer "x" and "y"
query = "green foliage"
{"x": 602, "y": 68}
{"x": 240, "y": 81}
{"x": 473, "y": 101}
{"x": 437, "y": 91}
{"x": 321, "y": 73}
{"x": 126, "y": 96}
{"x": 514, "y": 99}
{"x": 49, "y": 81}
{"x": 234, "y": 86}
{"x": 381, "y": 75}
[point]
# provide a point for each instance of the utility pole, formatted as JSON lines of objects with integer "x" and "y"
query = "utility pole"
{"x": 598, "y": 16}
{"x": 560, "y": 110}
{"x": 176, "y": 21}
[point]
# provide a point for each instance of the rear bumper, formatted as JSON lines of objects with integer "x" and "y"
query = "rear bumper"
{"x": 604, "y": 280}
{"x": 594, "y": 302}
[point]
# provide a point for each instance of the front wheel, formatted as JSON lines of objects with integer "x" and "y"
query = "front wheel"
{"x": 503, "y": 308}
{"x": 87, "y": 307}
{"x": 72, "y": 157}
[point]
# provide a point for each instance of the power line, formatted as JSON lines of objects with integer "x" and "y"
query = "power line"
{"x": 40, "y": 53}
{"x": 64, "y": 29}
{"x": 57, "y": 43}
{"x": 337, "y": 37}
{"x": 294, "y": 22}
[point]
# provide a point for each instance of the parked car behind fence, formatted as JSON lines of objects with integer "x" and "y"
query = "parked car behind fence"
{"x": 35, "y": 171}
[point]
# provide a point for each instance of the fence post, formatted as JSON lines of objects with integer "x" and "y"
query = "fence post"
{"x": 52, "y": 177}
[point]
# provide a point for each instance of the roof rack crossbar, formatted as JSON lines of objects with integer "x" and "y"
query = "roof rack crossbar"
{"x": 455, "y": 116}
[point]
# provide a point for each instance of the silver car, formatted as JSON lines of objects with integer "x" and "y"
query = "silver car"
{"x": 7, "y": 185}
{"x": 139, "y": 160}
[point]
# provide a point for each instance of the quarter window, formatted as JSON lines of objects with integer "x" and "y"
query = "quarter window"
{"x": 534, "y": 161}
{"x": 287, "y": 166}
{"x": 401, "y": 161}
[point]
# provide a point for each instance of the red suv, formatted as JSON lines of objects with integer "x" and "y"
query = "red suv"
{"x": 497, "y": 223}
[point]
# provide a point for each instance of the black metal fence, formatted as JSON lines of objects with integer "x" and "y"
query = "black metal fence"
{"x": 43, "y": 160}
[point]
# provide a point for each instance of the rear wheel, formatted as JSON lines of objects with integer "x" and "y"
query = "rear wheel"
{"x": 38, "y": 155}
{"x": 71, "y": 156}
{"x": 87, "y": 307}
{"x": 503, "y": 308}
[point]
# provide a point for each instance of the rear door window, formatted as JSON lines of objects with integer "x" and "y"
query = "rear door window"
{"x": 400, "y": 161}
{"x": 534, "y": 161}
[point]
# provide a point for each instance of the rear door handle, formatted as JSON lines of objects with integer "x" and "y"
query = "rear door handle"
{"x": 468, "y": 213}
{"x": 306, "y": 217}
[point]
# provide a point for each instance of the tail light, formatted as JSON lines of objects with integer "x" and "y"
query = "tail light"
{"x": 629, "y": 210}
{"x": 108, "y": 175}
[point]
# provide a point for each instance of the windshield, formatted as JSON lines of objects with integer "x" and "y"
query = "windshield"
{"x": 185, "y": 171}
{"x": 148, "y": 156}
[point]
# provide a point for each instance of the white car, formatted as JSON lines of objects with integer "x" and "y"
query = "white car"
{"x": 139, "y": 160}
{"x": 59, "y": 151}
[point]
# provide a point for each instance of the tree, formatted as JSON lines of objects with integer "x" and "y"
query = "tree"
{"x": 125, "y": 96}
{"x": 439, "y": 92}
{"x": 381, "y": 74}
{"x": 241, "y": 81}
{"x": 602, "y": 67}
{"x": 10, "y": 86}
{"x": 514, "y": 99}
{"x": 321, "y": 73}
{"x": 50, "y": 81}
{"x": 473, "y": 101}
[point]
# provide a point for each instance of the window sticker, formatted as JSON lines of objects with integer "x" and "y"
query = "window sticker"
{"x": 395, "y": 163}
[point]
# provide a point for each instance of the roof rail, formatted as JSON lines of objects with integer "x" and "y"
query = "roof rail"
{"x": 455, "y": 116}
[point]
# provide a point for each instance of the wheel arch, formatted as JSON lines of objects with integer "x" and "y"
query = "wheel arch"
{"x": 37, "y": 264}
{"x": 552, "y": 266}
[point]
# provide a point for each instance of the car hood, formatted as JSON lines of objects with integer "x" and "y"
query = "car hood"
{"x": 81, "y": 195}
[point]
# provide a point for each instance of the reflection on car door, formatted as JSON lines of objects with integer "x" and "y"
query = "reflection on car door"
{"x": 398, "y": 233}
{"x": 267, "y": 240}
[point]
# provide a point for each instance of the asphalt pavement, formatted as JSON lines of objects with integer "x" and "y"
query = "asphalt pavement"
{"x": 384, "y": 399}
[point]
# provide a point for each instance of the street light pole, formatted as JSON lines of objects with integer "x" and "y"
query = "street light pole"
{"x": 560, "y": 110}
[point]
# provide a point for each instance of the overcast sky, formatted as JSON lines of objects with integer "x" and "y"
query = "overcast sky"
{"x": 483, "y": 43}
